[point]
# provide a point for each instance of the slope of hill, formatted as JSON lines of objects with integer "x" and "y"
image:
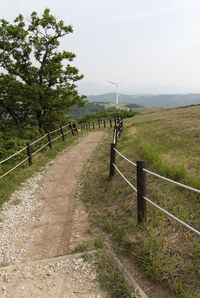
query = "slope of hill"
{"x": 168, "y": 140}
{"x": 148, "y": 100}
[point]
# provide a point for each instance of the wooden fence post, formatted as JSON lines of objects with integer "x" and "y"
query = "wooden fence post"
{"x": 49, "y": 139}
{"x": 115, "y": 134}
{"x": 71, "y": 128}
{"x": 112, "y": 159}
{"x": 29, "y": 153}
{"x": 141, "y": 192}
{"x": 61, "y": 130}
{"x": 104, "y": 122}
{"x": 75, "y": 127}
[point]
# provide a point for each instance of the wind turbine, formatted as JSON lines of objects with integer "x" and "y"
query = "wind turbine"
{"x": 117, "y": 90}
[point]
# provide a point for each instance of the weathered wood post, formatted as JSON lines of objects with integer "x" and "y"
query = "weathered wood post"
{"x": 141, "y": 192}
{"x": 29, "y": 153}
{"x": 71, "y": 128}
{"x": 115, "y": 134}
{"x": 61, "y": 130}
{"x": 75, "y": 127}
{"x": 120, "y": 126}
{"x": 112, "y": 159}
{"x": 49, "y": 139}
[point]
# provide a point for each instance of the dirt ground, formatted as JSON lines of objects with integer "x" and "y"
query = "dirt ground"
{"x": 53, "y": 227}
{"x": 61, "y": 222}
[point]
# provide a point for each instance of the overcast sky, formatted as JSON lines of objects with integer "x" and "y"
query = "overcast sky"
{"x": 151, "y": 45}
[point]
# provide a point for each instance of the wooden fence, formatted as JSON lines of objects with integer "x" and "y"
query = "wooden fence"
{"x": 141, "y": 182}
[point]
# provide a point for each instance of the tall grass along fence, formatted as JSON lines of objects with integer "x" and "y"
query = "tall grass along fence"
{"x": 141, "y": 171}
{"x": 31, "y": 148}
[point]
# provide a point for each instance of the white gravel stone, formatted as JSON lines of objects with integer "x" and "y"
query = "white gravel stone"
{"x": 14, "y": 239}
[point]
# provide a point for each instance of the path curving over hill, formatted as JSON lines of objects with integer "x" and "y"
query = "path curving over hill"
{"x": 40, "y": 230}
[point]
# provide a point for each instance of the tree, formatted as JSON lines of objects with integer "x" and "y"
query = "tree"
{"x": 11, "y": 105}
{"x": 30, "y": 55}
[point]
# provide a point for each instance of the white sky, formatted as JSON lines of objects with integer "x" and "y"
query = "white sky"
{"x": 153, "y": 45}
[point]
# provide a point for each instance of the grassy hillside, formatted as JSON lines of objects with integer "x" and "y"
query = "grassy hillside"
{"x": 165, "y": 100}
{"x": 169, "y": 141}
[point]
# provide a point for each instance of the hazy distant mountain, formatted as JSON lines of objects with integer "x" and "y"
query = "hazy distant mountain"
{"x": 95, "y": 88}
{"x": 149, "y": 100}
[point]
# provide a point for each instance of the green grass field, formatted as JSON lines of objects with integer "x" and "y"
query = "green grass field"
{"x": 169, "y": 141}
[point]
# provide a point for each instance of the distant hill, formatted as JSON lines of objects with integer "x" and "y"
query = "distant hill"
{"x": 149, "y": 100}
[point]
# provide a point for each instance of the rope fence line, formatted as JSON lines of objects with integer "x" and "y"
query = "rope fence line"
{"x": 65, "y": 125}
{"x": 172, "y": 216}
{"x": 28, "y": 147}
{"x": 159, "y": 176}
{"x": 13, "y": 155}
{"x": 131, "y": 185}
{"x": 53, "y": 131}
{"x": 72, "y": 127}
{"x": 56, "y": 138}
{"x": 172, "y": 181}
{"x": 40, "y": 149}
{"x": 14, "y": 168}
{"x": 67, "y": 132}
{"x": 38, "y": 139}
{"x": 141, "y": 185}
{"x": 157, "y": 206}
{"x": 125, "y": 157}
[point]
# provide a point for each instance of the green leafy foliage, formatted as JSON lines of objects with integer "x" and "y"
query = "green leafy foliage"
{"x": 107, "y": 115}
{"x": 39, "y": 86}
{"x": 89, "y": 108}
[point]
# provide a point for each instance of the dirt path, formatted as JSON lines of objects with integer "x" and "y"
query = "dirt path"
{"x": 44, "y": 232}
{"x": 53, "y": 227}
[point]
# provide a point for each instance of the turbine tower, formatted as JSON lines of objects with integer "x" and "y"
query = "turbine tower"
{"x": 117, "y": 91}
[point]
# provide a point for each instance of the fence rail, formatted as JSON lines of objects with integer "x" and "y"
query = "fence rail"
{"x": 71, "y": 128}
{"x": 141, "y": 184}
{"x": 97, "y": 124}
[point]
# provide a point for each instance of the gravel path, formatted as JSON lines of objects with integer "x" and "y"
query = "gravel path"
{"x": 37, "y": 224}
{"x": 68, "y": 277}
{"x": 17, "y": 219}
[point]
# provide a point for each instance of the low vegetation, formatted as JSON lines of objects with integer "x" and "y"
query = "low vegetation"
{"x": 12, "y": 181}
{"x": 110, "y": 279}
{"x": 89, "y": 108}
{"x": 107, "y": 115}
{"x": 166, "y": 251}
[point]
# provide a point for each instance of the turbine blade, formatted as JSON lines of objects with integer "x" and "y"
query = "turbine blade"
{"x": 112, "y": 82}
